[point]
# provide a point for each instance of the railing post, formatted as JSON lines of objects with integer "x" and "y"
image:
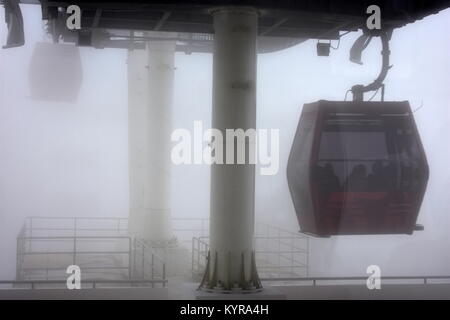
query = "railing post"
{"x": 279, "y": 249}
{"x": 164, "y": 275}
{"x": 31, "y": 234}
{"x": 153, "y": 266}
{"x": 18, "y": 253}
{"x": 307, "y": 257}
{"x": 129, "y": 258}
{"x": 74, "y": 250}
{"x": 75, "y": 240}
{"x": 292, "y": 254}
{"x": 134, "y": 258}
{"x": 192, "y": 256}
{"x": 143, "y": 262}
{"x": 199, "y": 253}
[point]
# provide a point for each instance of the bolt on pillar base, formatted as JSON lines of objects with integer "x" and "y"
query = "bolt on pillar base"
{"x": 214, "y": 285}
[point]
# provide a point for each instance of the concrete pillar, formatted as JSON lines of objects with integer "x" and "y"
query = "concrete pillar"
{"x": 150, "y": 85}
{"x": 231, "y": 259}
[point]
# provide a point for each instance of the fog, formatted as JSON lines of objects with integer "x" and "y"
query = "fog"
{"x": 71, "y": 159}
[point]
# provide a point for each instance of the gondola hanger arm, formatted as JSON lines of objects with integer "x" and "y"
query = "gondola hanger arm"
{"x": 359, "y": 90}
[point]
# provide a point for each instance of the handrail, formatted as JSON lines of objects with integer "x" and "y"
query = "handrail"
{"x": 285, "y": 259}
{"x": 124, "y": 218}
{"x": 316, "y": 279}
{"x": 149, "y": 248}
{"x": 73, "y": 237}
{"x": 78, "y": 225}
{"x": 290, "y": 243}
{"x": 85, "y": 281}
{"x": 71, "y": 218}
{"x": 94, "y": 283}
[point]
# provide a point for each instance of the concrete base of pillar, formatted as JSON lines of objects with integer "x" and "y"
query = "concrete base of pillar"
{"x": 269, "y": 293}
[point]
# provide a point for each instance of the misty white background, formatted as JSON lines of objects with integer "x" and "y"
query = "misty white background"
{"x": 71, "y": 159}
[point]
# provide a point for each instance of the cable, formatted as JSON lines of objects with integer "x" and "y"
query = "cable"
{"x": 421, "y": 105}
{"x": 373, "y": 96}
{"x": 339, "y": 40}
{"x": 345, "y": 98}
{"x": 345, "y": 33}
{"x": 337, "y": 47}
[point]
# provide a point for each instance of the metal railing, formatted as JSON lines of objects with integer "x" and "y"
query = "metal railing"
{"x": 279, "y": 253}
{"x": 93, "y": 284}
{"x": 48, "y": 257}
{"x": 200, "y": 249}
{"x": 74, "y": 226}
{"x": 317, "y": 281}
{"x": 187, "y": 228}
{"x": 101, "y": 247}
{"x": 146, "y": 263}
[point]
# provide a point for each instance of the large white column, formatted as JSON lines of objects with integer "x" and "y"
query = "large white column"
{"x": 150, "y": 81}
{"x": 231, "y": 264}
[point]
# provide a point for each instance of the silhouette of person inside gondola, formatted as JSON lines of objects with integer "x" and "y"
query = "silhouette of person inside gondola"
{"x": 357, "y": 180}
{"x": 377, "y": 179}
{"x": 328, "y": 181}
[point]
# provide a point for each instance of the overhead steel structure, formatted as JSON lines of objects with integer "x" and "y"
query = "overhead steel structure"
{"x": 281, "y": 23}
{"x": 229, "y": 29}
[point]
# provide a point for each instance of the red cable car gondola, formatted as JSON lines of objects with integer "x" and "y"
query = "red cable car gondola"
{"x": 357, "y": 168}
